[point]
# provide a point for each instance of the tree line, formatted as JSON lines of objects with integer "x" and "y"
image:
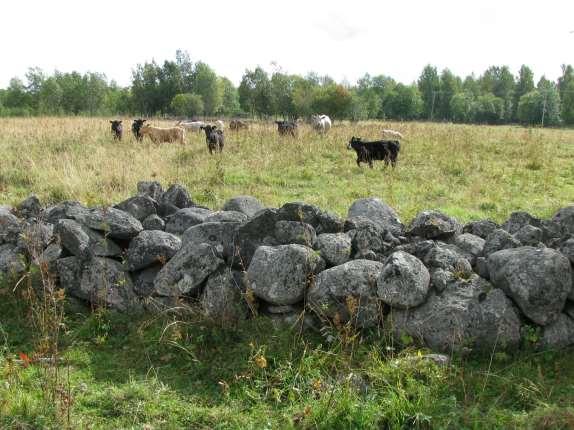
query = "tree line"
{"x": 183, "y": 88}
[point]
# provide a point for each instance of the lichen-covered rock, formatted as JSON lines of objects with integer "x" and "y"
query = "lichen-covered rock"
{"x": 259, "y": 230}
{"x": 245, "y": 204}
{"x": 567, "y": 248}
{"x": 518, "y": 220}
{"x": 537, "y": 279}
{"x": 186, "y": 218}
{"x": 498, "y": 240}
{"x": 153, "y": 222}
{"x": 348, "y": 292}
{"x": 83, "y": 242}
{"x": 12, "y": 262}
{"x": 177, "y": 196}
{"x": 434, "y": 225}
{"x": 63, "y": 210}
{"x": 226, "y": 216}
{"x": 10, "y": 227}
{"x": 69, "y": 270}
{"x": 404, "y": 281}
{"x": 287, "y": 232}
{"x": 187, "y": 270}
{"x": 480, "y": 228}
{"x": 378, "y": 211}
{"x": 447, "y": 257}
{"x": 474, "y": 316}
{"x": 105, "y": 282}
{"x": 221, "y": 235}
{"x": 335, "y": 248}
{"x": 151, "y": 247}
{"x": 368, "y": 235}
{"x": 30, "y": 207}
{"x": 559, "y": 334}
{"x": 565, "y": 218}
{"x": 115, "y": 223}
{"x": 223, "y": 296}
{"x": 140, "y": 206}
{"x": 280, "y": 274}
{"x": 143, "y": 280}
{"x": 151, "y": 189}
{"x": 471, "y": 245}
{"x": 528, "y": 235}
{"x": 322, "y": 222}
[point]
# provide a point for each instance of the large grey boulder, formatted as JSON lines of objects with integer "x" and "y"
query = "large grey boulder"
{"x": 280, "y": 274}
{"x": 498, "y": 240}
{"x": 153, "y": 222}
{"x": 63, "y": 210}
{"x": 287, "y": 232}
{"x": 538, "y": 280}
{"x": 567, "y": 248}
{"x": 226, "y": 216}
{"x": 472, "y": 246}
{"x": 223, "y": 296}
{"x": 105, "y": 282}
{"x": 151, "y": 247}
{"x": 221, "y": 235}
{"x": 434, "y": 225}
{"x": 528, "y": 235}
{"x": 10, "y": 227}
{"x": 69, "y": 270}
{"x": 468, "y": 314}
{"x": 245, "y": 204}
{"x": 565, "y": 218}
{"x": 177, "y": 196}
{"x": 447, "y": 257}
{"x": 115, "y": 223}
{"x": 518, "y": 220}
{"x": 559, "y": 334}
{"x": 187, "y": 270}
{"x": 348, "y": 293}
{"x": 404, "y": 281}
{"x": 151, "y": 189}
{"x": 368, "y": 235}
{"x": 30, "y": 207}
{"x": 480, "y": 228}
{"x": 322, "y": 222}
{"x": 143, "y": 281}
{"x": 258, "y": 231}
{"x": 12, "y": 261}
{"x": 140, "y": 206}
{"x": 378, "y": 211}
{"x": 335, "y": 248}
{"x": 186, "y": 218}
{"x": 83, "y": 242}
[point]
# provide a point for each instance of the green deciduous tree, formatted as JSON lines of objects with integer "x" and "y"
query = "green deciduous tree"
{"x": 463, "y": 107}
{"x": 187, "y": 105}
{"x": 405, "y": 102}
{"x": 429, "y": 86}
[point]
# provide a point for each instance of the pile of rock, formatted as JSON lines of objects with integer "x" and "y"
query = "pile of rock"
{"x": 435, "y": 282}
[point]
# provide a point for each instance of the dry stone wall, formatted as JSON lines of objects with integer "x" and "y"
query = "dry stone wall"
{"x": 435, "y": 282}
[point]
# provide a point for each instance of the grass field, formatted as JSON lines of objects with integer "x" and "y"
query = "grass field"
{"x": 465, "y": 170}
{"x": 177, "y": 371}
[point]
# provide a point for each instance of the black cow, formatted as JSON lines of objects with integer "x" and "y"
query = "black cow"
{"x": 117, "y": 129}
{"x": 213, "y": 137}
{"x": 286, "y": 127}
{"x": 136, "y": 128}
{"x": 387, "y": 150}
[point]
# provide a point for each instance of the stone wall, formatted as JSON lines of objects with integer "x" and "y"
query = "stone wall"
{"x": 435, "y": 282}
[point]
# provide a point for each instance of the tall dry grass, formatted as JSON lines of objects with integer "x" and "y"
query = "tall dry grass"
{"x": 467, "y": 171}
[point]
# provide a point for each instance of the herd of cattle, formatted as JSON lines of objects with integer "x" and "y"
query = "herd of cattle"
{"x": 386, "y": 150}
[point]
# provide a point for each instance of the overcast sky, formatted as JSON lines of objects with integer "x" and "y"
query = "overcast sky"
{"x": 344, "y": 39}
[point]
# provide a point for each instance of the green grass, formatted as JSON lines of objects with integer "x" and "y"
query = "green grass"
{"x": 467, "y": 171}
{"x": 148, "y": 373}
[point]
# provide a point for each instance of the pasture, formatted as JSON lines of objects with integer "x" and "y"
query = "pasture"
{"x": 178, "y": 370}
{"x": 467, "y": 171}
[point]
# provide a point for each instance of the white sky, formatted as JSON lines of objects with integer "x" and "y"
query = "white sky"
{"x": 344, "y": 39}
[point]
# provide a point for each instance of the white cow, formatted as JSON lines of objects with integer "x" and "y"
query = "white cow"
{"x": 321, "y": 123}
{"x": 220, "y": 124}
{"x": 388, "y": 133}
{"x": 191, "y": 125}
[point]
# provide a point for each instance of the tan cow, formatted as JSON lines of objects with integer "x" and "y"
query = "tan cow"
{"x": 159, "y": 135}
